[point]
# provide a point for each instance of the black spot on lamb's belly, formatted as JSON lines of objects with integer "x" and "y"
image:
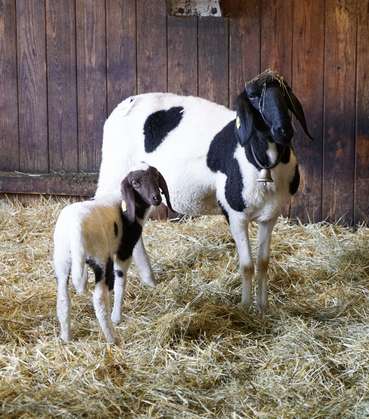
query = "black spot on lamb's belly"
{"x": 295, "y": 182}
{"x": 131, "y": 234}
{"x": 158, "y": 125}
{"x": 221, "y": 158}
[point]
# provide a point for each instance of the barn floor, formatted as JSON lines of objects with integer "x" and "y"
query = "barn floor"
{"x": 187, "y": 349}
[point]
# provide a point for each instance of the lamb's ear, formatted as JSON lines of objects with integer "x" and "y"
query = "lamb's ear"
{"x": 296, "y": 108}
{"x": 245, "y": 119}
{"x": 128, "y": 195}
{"x": 164, "y": 188}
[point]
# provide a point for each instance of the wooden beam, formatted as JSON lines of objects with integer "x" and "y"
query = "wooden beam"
{"x": 58, "y": 183}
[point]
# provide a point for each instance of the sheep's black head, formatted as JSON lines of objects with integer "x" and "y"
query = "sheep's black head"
{"x": 143, "y": 186}
{"x": 264, "y": 106}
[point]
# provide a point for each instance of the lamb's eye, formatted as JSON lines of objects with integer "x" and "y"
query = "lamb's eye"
{"x": 253, "y": 96}
{"x": 136, "y": 183}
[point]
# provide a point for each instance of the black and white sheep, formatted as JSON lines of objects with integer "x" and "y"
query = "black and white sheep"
{"x": 102, "y": 233}
{"x": 213, "y": 159}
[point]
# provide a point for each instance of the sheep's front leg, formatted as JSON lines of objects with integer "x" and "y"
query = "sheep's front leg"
{"x": 101, "y": 300}
{"x": 239, "y": 230}
{"x": 120, "y": 282}
{"x": 142, "y": 263}
{"x": 262, "y": 261}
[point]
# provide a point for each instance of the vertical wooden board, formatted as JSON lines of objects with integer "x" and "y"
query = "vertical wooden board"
{"x": 277, "y": 42}
{"x": 182, "y": 55}
{"x": 213, "y": 59}
{"x": 276, "y": 36}
{"x": 9, "y": 155}
{"x": 91, "y": 81}
{"x": 362, "y": 120}
{"x": 121, "y": 50}
{"x": 32, "y": 88}
{"x": 339, "y": 91}
{"x": 62, "y": 85}
{"x": 307, "y": 74}
{"x": 244, "y": 45}
{"x": 151, "y": 46}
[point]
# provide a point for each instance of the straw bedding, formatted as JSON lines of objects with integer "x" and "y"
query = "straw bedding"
{"x": 187, "y": 349}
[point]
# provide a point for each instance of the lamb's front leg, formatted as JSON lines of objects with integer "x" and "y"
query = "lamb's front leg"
{"x": 101, "y": 300}
{"x": 262, "y": 261}
{"x": 239, "y": 230}
{"x": 120, "y": 282}
{"x": 142, "y": 263}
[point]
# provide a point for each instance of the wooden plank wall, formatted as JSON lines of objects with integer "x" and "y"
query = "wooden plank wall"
{"x": 65, "y": 64}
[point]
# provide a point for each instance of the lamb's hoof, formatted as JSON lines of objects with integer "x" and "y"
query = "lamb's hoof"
{"x": 116, "y": 319}
{"x": 112, "y": 340}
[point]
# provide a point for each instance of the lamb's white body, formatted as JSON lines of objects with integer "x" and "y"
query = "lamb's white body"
{"x": 194, "y": 189}
{"x": 85, "y": 230}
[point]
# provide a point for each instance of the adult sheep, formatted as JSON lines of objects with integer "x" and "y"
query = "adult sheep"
{"x": 214, "y": 160}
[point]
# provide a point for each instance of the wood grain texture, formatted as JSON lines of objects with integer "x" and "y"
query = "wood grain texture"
{"x": 62, "y": 84}
{"x": 244, "y": 45}
{"x": 9, "y": 155}
{"x": 339, "y": 86}
{"x": 213, "y": 59}
{"x": 91, "y": 81}
{"x": 151, "y": 46}
{"x": 78, "y": 184}
{"x": 307, "y": 74}
{"x": 276, "y": 36}
{"x": 121, "y": 50}
{"x": 33, "y": 141}
{"x": 362, "y": 119}
{"x": 182, "y": 55}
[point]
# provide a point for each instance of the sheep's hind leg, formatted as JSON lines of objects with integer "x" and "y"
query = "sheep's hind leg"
{"x": 120, "y": 282}
{"x": 239, "y": 230}
{"x": 262, "y": 261}
{"x": 101, "y": 301}
{"x": 63, "y": 300}
{"x": 142, "y": 263}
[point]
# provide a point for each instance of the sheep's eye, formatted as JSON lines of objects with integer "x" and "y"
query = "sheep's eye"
{"x": 252, "y": 96}
{"x": 136, "y": 183}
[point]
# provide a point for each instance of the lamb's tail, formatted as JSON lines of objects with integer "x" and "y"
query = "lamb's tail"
{"x": 79, "y": 267}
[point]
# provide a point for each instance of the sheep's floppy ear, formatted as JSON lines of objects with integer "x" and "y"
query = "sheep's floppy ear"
{"x": 164, "y": 188}
{"x": 296, "y": 108}
{"x": 245, "y": 119}
{"x": 128, "y": 195}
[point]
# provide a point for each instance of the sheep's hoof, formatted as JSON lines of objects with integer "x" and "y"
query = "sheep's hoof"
{"x": 65, "y": 337}
{"x": 149, "y": 281}
{"x": 262, "y": 308}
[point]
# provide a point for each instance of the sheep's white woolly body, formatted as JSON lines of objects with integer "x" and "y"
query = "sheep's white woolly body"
{"x": 181, "y": 158}
{"x": 195, "y": 189}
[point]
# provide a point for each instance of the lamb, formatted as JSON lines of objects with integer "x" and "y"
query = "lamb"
{"x": 102, "y": 233}
{"x": 240, "y": 163}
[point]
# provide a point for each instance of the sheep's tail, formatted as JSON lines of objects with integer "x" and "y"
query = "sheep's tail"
{"x": 79, "y": 267}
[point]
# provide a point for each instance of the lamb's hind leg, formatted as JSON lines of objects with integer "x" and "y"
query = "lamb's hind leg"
{"x": 262, "y": 261}
{"x": 239, "y": 230}
{"x": 63, "y": 299}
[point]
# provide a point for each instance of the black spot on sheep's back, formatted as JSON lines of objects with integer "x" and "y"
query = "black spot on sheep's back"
{"x": 158, "y": 125}
{"x": 221, "y": 158}
{"x": 295, "y": 182}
